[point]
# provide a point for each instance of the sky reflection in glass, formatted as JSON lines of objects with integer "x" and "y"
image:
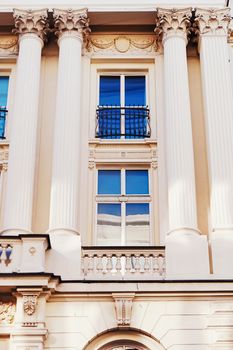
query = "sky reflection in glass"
{"x": 109, "y": 182}
{"x": 137, "y": 182}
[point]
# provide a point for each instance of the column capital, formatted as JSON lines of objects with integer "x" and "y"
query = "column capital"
{"x": 71, "y": 21}
{"x": 171, "y": 22}
{"x": 31, "y": 22}
{"x": 212, "y": 21}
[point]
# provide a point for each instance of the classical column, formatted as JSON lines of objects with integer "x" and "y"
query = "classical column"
{"x": 182, "y": 211}
{"x": 71, "y": 28}
{"x": 31, "y": 27}
{"x": 217, "y": 90}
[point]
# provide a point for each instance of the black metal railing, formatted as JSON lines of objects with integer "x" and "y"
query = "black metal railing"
{"x": 3, "y": 113}
{"x": 131, "y": 122}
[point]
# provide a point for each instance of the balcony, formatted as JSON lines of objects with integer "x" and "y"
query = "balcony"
{"x": 123, "y": 263}
{"x": 3, "y": 113}
{"x": 115, "y": 122}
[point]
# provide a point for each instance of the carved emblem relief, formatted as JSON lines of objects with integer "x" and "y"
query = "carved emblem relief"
{"x": 7, "y": 313}
{"x": 121, "y": 44}
{"x": 29, "y": 304}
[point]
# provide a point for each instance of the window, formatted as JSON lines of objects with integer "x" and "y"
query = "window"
{"x": 122, "y": 111}
{"x": 123, "y": 207}
{"x": 4, "y": 81}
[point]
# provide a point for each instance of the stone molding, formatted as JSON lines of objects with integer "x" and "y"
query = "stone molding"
{"x": 173, "y": 21}
{"x": 123, "y": 307}
{"x": 109, "y": 44}
{"x": 7, "y": 313}
{"x": 71, "y": 21}
{"x": 212, "y": 21}
{"x": 31, "y": 22}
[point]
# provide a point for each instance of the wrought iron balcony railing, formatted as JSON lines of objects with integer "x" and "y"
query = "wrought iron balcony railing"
{"x": 114, "y": 122}
{"x": 3, "y": 113}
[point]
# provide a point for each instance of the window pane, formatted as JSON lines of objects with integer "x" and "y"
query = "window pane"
{"x": 109, "y": 182}
{"x": 108, "y": 224}
{"x": 109, "y": 117}
{"x": 3, "y": 102}
{"x": 135, "y": 91}
{"x": 137, "y": 182}
{"x": 3, "y": 91}
{"x": 109, "y": 91}
{"x": 137, "y": 223}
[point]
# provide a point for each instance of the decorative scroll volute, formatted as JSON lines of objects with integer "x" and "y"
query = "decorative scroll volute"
{"x": 212, "y": 21}
{"x": 71, "y": 20}
{"x": 29, "y": 21}
{"x": 170, "y": 21}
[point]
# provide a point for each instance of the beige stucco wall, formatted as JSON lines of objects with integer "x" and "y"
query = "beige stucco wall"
{"x": 199, "y": 143}
{"x": 177, "y": 323}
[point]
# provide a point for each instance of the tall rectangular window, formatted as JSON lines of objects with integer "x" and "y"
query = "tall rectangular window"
{"x": 4, "y": 82}
{"x": 123, "y": 207}
{"x": 122, "y": 111}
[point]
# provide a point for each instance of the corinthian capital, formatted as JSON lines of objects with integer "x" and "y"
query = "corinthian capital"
{"x": 213, "y": 21}
{"x": 70, "y": 21}
{"x": 29, "y": 21}
{"x": 173, "y": 21}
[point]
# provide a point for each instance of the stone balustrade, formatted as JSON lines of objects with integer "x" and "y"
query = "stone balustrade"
{"x": 123, "y": 263}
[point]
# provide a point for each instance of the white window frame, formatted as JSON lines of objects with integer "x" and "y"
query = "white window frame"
{"x": 145, "y": 67}
{"x": 124, "y": 198}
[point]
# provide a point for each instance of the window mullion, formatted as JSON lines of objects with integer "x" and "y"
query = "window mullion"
{"x": 123, "y": 223}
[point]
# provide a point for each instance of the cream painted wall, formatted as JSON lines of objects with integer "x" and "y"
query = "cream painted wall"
{"x": 177, "y": 323}
{"x": 200, "y": 155}
{"x": 45, "y": 143}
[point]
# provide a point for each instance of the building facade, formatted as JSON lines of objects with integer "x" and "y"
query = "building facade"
{"x": 116, "y": 175}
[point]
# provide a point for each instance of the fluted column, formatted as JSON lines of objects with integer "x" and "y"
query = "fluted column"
{"x": 174, "y": 25}
{"x": 71, "y": 28}
{"x": 217, "y": 90}
{"x": 31, "y": 27}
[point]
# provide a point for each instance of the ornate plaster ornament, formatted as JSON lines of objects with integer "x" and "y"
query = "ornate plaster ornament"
{"x": 29, "y": 304}
{"x": 71, "y": 20}
{"x": 170, "y": 21}
{"x": 8, "y": 44}
{"x": 212, "y": 21}
{"x": 7, "y": 313}
{"x": 121, "y": 43}
{"x": 123, "y": 307}
{"x": 30, "y": 21}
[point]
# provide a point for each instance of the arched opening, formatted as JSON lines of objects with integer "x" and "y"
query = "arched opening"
{"x": 124, "y": 340}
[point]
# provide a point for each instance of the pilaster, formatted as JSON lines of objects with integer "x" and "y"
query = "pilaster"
{"x": 31, "y": 27}
{"x": 183, "y": 241}
{"x": 213, "y": 26}
{"x": 29, "y": 327}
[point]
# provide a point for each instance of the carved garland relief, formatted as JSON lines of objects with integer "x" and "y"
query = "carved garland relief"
{"x": 7, "y": 313}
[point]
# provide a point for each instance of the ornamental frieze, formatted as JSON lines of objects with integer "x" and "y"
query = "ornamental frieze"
{"x": 8, "y": 45}
{"x": 7, "y": 313}
{"x": 121, "y": 44}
